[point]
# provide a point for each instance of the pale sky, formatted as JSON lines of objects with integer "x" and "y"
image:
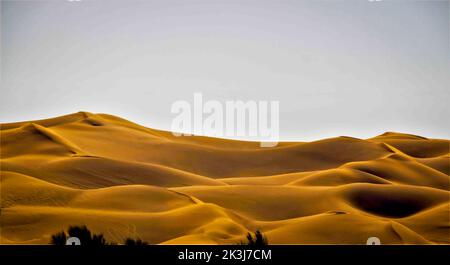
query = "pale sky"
{"x": 355, "y": 68}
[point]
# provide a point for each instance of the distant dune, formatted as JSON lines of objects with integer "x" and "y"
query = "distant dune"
{"x": 124, "y": 180}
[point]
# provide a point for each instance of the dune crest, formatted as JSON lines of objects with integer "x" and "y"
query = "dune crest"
{"x": 125, "y": 180}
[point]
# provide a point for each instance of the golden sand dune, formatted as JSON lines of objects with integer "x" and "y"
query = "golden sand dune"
{"x": 124, "y": 180}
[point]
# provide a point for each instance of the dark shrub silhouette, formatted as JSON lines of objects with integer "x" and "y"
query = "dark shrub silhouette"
{"x": 82, "y": 233}
{"x": 137, "y": 242}
{"x": 59, "y": 239}
{"x": 258, "y": 240}
{"x": 98, "y": 240}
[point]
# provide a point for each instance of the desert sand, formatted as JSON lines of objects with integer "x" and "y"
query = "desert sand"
{"x": 124, "y": 180}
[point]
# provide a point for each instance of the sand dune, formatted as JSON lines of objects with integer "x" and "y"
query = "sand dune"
{"x": 124, "y": 180}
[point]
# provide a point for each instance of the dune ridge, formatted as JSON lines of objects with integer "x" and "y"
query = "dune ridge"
{"x": 125, "y": 180}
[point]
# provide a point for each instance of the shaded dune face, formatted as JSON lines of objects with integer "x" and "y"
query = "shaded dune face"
{"x": 124, "y": 180}
{"x": 393, "y": 201}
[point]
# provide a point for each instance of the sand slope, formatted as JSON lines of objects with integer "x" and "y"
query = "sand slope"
{"x": 125, "y": 180}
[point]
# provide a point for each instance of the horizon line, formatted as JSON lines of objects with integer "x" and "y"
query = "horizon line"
{"x": 86, "y": 113}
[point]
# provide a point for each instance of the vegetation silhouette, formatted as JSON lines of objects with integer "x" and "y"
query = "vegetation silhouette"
{"x": 59, "y": 239}
{"x": 82, "y": 233}
{"x": 137, "y": 242}
{"x": 257, "y": 240}
{"x": 88, "y": 239}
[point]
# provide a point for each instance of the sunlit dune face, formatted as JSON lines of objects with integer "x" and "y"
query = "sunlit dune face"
{"x": 124, "y": 180}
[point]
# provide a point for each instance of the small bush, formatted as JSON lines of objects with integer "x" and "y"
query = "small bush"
{"x": 82, "y": 233}
{"x": 59, "y": 239}
{"x": 137, "y": 242}
{"x": 257, "y": 240}
{"x": 98, "y": 240}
